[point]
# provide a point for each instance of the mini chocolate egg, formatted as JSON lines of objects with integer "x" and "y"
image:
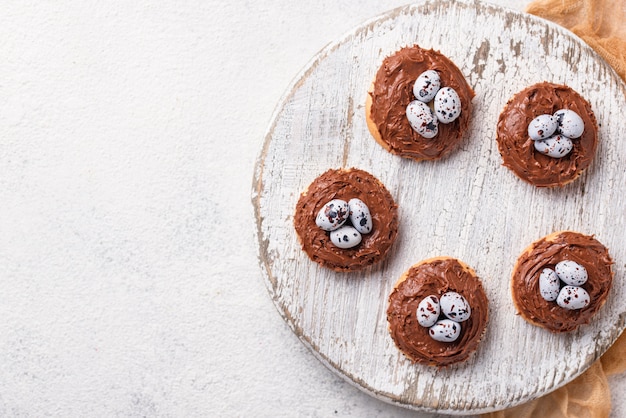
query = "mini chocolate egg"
{"x": 569, "y": 123}
{"x": 573, "y": 298}
{"x": 571, "y": 273}
{"x": 334, "y": 214}
{"x": 422, "y": 119}
{"x": 345, "y": 237}
{"x": 445, "y": 331}
{"x": 360, "y": 216}
{"x": 557, "y": 146}
{"x": 447, "y": 105}
{"x": 549, "y": 285}
{"x": 426, "y": 86}
{"x": 542, "y": 127}
{"x": 454, "y": 306}
{"x": 428, "y": 311}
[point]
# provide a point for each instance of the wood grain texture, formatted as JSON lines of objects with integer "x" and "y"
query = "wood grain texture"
{"x": 467, "y": 206}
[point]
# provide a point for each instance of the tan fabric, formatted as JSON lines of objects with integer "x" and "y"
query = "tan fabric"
{"x": 602, "y": 24}
{"x": 614, "y": 360}
{"x": 588, "y": 395}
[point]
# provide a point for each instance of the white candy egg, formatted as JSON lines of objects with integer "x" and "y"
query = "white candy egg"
{"x": 345, "y": 237}
{"x": 445, "y": 331}
{"x": 334, "y": 214}
{"x": 422, "y": 119}
{"x": 569, "y": 123}
{"x": 447, "y": 105}
{"x": 557, "y": 146}
{"x": 360, "y": 216}
{"x": 454, "y": 306}
{"x": 549, "y": 285}
{"x": 573, "y": 298}
{"x": 428, "y": 311}
{"x": 542, "y": 127}
{"x": 571, "y": 273}
{"x": 426, "y": 86}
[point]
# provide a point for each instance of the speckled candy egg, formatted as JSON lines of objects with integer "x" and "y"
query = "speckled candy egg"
{"x": 557, "y": 146}
{"x": 549, "y": 285}
{"x": 360, "y": 216}
{"x": 345, "y": 237}
{"x": 454, "y": 306}
{"x": 569, "y": 123}
{"x": 447, "y": 105}
{"x": 571, "y": 273}
{"x": 426, "y": 86}
{"x": 573, "y": 298}
{"x": 445, "y": 331}
{"x": 542, "y": 127}
{"x": 428, "y": 311}
{"x": 422, "y": 119}
{"x": 334, "y": 214}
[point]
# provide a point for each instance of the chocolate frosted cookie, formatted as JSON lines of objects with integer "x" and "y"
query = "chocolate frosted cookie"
{"x": 419, "y": 104}
{"x": 547, "y": 135}
{"x": 346, "y": 220}
{"x": 438, "y": 312}
{"x": 562, "y": 280}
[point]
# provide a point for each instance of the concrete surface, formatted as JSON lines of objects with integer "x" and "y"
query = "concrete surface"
{"x": 128, "y": 269}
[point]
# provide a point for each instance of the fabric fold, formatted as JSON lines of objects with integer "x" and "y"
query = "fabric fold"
{"x": 600, "y": 23}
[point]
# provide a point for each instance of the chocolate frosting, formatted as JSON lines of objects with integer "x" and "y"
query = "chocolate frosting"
{"x": 345, "y": 185}
{"x": 546, "y": 253}
{"x": 436, "y": 277}
{"x": 393, "y": 91}
{"x": 517, "y": 149}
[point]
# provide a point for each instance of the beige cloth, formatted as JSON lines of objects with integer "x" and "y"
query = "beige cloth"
{"x": 602, "y": 24}
{"x": 587, "y": 396}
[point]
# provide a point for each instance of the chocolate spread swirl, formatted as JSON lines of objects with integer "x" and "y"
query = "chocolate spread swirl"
{"x": 345, "y": 185}
{"x": 517, "y": 149}
{"x": 393, "y": 91}
{"x": 436, "y": 277}
{"x": 546, "y": 253}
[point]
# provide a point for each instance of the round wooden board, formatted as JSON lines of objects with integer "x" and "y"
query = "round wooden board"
{"x": 467, "y": 206}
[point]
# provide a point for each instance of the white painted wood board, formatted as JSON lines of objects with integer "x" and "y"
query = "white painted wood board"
{"x": 467, "y": 206}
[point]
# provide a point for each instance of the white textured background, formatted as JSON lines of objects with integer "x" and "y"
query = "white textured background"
{"x": 129, "y": 283}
